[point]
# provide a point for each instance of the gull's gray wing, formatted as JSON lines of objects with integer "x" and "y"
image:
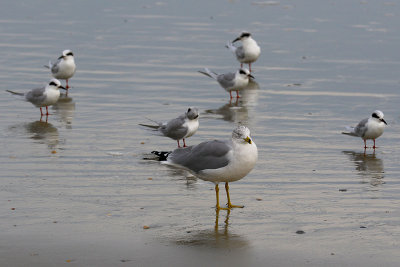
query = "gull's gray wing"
{"x": 174, "y": 128}
{"x": 36, "y": 96}
{"x": 240, "y": 53}
{"x": 206, "y": 155}
{"x": 361, "y": 128}
{"x": 226, "y": 80}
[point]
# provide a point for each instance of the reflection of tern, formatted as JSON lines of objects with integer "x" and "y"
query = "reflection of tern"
{"x": 369, "y": 128}
{"x": 232, "y": 81}
{"x": 64, "y": 67}
{"x": 65, "y": 108}
{"x": 217, "y": 161}
{"x": 44, "y": 96}
{"x": 368, "y": 165}
{"x": 239, "y": 110}
{"x": 39, "y": 131}
{"x": 179, "y": 128}
{"x": 248, "y": 52}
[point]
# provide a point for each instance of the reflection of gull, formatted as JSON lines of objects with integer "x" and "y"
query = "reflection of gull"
{"x": 179, "y": 128}
{"x": 215, "y": 238}
{"x": 240, "y": 110}
{"x": 248, "y": 52}
{"x": 231, "y": 81}
{"x": 368, "y": 165}
{"x": 369, "y": 128}
{"x": 217, "y": 161}
{"x": 43, "y": 96}
{"x": 65, "y": 108}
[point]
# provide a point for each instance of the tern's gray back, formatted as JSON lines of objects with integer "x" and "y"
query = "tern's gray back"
{"x": 174, "y": 128}
{"x": 226, "y": 80}
{"x": 361, "y": 128}
{"x": 36, "y": 96}
{"x": 206, "y": 155}
{"x": 240, "y": 53}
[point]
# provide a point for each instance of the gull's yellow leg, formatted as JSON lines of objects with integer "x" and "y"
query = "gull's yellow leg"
{"x": 217, "y": 207}
{"x": 230, "y": 206}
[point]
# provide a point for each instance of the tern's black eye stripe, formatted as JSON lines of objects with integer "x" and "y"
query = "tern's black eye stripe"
{"x": 70, "y": 54}
{"x": 53, "y": 83}
{"x": 246, "y": 34}
{"x": 242, "y": 72}
{"x": 375, "y": 115}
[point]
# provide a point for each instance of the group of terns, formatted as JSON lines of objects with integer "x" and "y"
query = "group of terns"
{"x": 217, "y": 161}
{"x": 63, "y": 68}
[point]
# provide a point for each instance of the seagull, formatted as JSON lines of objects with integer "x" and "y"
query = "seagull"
{"x": 217, "y": 161}
{"x": 64, "y": 67}
{"x": 369, "y": 128}
{"x": 179, "y": 128}
{"x": 44, "y": 96}
{"x": 248, "y": 52}
{"x": 231, "y": 81}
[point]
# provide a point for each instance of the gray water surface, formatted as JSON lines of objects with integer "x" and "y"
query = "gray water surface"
{"x": 76, "y": 189}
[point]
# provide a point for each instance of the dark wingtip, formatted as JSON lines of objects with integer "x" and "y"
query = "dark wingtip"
{"x": 162, "y": 155}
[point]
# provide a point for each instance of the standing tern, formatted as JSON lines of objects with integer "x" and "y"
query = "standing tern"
{"x": 248, "y": 52}
{"x": 44, "y": 96}
{"x": 368, "y": 128}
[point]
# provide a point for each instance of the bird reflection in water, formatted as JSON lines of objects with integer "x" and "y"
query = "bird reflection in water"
{"x": 239, "y": 110}
{"x": 65, "y": 108}
{"x": 368, "y": 166}
{"x": 216, "y": 237}
{"x": 44, "y": 133}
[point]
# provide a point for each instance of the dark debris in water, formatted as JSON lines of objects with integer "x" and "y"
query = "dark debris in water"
{"x": 300, "y": 232}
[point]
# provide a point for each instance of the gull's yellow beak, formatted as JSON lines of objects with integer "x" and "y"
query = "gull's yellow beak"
{"x": 248, "y": 140}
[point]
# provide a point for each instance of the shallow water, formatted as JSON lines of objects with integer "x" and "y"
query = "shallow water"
{"x": 76, "y": 189}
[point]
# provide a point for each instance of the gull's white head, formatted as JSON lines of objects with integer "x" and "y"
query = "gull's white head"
{"x": 242, "y": 134}
{"x": 378, "y": 115}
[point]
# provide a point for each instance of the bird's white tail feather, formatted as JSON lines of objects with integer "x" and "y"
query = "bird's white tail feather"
{"x": 209, "y": 73}
{"x": 350, "y": 131}
{"x": 231, "y": 47}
